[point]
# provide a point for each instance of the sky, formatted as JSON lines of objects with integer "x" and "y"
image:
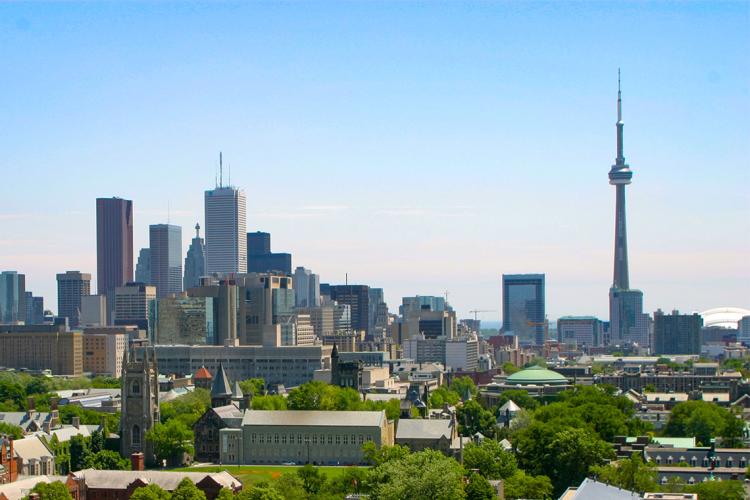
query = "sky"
{"x": 422, "y": 147}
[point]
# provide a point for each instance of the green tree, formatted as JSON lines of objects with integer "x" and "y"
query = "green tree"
{"x": 492, "y": 461}
{"x": 171, "y": 440}
{"x": 718, "y": 490}
{"x": 479, "y": 488}
{"x": 107, "y": 460}
{"x": 312, "y": 479}
{"x": 522, "y": 485}
{"x": 352, "y": 480}
{"x": 39, "y": 385}
{"x": 464, "y": 386}
{"x": 443, "y": 395}
{"x": 225, "y": 494}
{"x": 315, "y": 395}
{"x": 629, "y": 474}
{"x": 427, "y": 475}
{"x": 259, "y": 493}
{"x": 509, "y": 368}
{"x": 187, "y": 408}
{"x": 186, "y": 490}
{"x": 290, "y": 487}
{"x": 254, "y": 386}
{"x": 704, "y": 420}
{"x": 270, "y": 402}
{"x": 473, "y": 418}
{"x": 11, "y": 431}
{"x": 377, "y": 456}
{"x": 572, "y": 452}
{"x": 80, "y": 454}
{"x": 518, "y": 396}
{"x": 51, "y": 491}
{"x": 150, "y": 492}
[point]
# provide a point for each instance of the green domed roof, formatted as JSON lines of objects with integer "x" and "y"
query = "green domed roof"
{"x": 536, "y": 375}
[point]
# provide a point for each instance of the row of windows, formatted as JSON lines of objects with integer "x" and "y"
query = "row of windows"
{"x": 277, "y": 438}
{"x": 704, "y": 463}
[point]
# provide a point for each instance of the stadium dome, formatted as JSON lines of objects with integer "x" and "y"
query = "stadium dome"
{"x": 724, "y": 317}
{"x": 536, "y": 375}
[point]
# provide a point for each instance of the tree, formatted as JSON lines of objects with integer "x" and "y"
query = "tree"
{"x": 186, "y": 490}
{"x": 225, "y": 494}
{"x": 270, "y": 402}
{"x": 572, "y": 452}
{"x": 312, "y": 479}
{"x": 11, "y": 431}
{"x": 703, "y": 420}
{"x": 171, "y": 440}
{"x": 427, "y": 475}
{"x": 718, "y": 490}
{"x": 79, "y": 453}
{"x": 150, "y": 492}
{"x": 464, "y": 386}
{"x": 254, "y": 386}
{"x": 509, "y": 368}
{"x": 107, "y": 460}
{"x": 629, "y": 474}
{"x": 259, "y": 493}
{"x": 518, "y": 396}
{"x": 354, "y": 480}
{"x": 377, "y": 456}
{"x": 51, "y": 491}
{"x": 522, "y": 485}
{"x": 492, "y": 461}
{"x": 472, "y": 418}
{"x": 442, "y": 396}
{"x": 289, "y": 485}
{"x": 187, "y": 408}
{"x": 479, "y": 488}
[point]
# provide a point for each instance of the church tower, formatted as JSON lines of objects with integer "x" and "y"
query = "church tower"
{"x": 140, "y": 403}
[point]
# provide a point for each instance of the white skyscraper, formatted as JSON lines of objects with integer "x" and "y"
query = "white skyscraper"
{"x": 226, "y": 230}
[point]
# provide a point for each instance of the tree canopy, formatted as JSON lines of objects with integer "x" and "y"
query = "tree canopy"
{"x": 704, "y": 420}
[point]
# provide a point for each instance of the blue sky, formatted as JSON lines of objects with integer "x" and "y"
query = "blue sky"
{"x": 419, "y": 146}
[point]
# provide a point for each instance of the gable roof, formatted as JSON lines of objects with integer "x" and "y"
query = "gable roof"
{"x": 202, "y": 374}
{"x": 594, "y": 490}
{"x": 221, "y": 385}
{"x": 167, "y": 480}
{"x": 417, "y": 428}
{"x": 30, "y": 448}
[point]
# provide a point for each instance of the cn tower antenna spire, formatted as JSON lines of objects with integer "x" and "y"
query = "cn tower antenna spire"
{"x": 619, "y": 97}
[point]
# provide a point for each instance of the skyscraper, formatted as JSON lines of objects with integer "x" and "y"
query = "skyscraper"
{"x": 523, "y": 307}
{"x": 143, "y": 266}
{"x": 195, "y": 261}
{"x": 34, "y": 309}
{"x": 627, "y": 321}
{"x": 260, "y": 259}
{"x": 306, "y": 287}
{"x": 357, "y": 297}
{"x": 114, "y": 246}
{"x": 677, "y": 333}
{"x": 71, "y": 286}
{"x": 166, "y": 258}
{"x": 12, "y": 297}
{"x": 226, "y": 230}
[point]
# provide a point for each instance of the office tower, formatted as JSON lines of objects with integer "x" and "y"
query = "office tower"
{"x": 225, "y": 310}
{"x": 260, "y": 259}
{"x": 12, "y": 297}
{"x": 743, "y": 330}
{"x": 184, "y": 320}
{"x": 430, "y": 302}
{"x": 114, "y": 246}
{"x": 166, "y": 258}
{"x": 677, "y": 333}
{"x": 71, "y": 286}
{"x": 523, "y": 307}
{"x": 34, "y": 309}
{"x": 581, "y": 331}
{"x": 93, "y": 310}
{"x": 195, "y": 261}
{"x": 342, "y": 318}
{"x": 226, "y": 229}
{"x": 304, "y": 331}
{"x": 269, "y": 301}
{"x": 357, "y": 297}
{"x": 627, "y": 321}
{"x": 134, "y": 304}
{"x": 377, "y": 314}
{"x": 306, "y": 287}
{"x": 143, "y": 266}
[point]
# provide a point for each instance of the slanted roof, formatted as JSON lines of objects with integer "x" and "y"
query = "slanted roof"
{"x": 203, "y": 374}
{"x": 221, "y": 385}
{"x": 167, "y": 480}
{"x": 19, "y": 489}
{"x": 418, "y": 428}
{"x": 594, "y": 490}
{"x": 31, "y": 448}
{"x": 509, "y": 405}
{"x": 314, "y": 418}
{"x": 237, "y": 391}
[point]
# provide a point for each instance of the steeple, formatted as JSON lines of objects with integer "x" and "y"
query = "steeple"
{"x": 221, "y": 390}
{"x": 197, "y": 231}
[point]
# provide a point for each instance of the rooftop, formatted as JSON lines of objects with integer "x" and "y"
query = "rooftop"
{"x": 314, "y": 418}
{"x": 536, "y": 375}
{"x": 418, "y": 428}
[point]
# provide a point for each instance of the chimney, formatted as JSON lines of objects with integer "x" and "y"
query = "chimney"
{"x": 76, "y": 421}
{"x": 30, "y": 403}
{"x": 137, "y": 461}
{"x": 53, "y": 404}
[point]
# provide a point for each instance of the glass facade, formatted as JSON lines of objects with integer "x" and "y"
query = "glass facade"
{"x": 523, "y": 307}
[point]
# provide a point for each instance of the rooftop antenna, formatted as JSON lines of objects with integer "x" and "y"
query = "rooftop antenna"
{"x": 221, "y": 171}
{"x": 346, "y": 278}
{"x": 229, "y": 166}
{"x": 168, "y": 212}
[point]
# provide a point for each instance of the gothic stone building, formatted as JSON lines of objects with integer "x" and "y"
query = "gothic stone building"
{"x": 140, "y": 404}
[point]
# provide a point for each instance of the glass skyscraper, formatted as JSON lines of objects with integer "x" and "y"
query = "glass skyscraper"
{"x": 226, "y": 231}
{"x": 523, "y": 307}
{"x": 166, "y": 258}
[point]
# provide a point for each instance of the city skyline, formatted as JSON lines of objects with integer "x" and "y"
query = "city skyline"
{"x": 465, "y": 190}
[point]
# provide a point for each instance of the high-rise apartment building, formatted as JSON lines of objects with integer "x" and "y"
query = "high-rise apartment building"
{"x": 226, "y": 230}
{"x": 42, "y": 347}
{"x": 677, "y": 333}
{"x": 134, "y": 305}
{"x": 357, "y": 297}
{"x": 114, "y": 245}
{"x": 166, "y": 258}
{"x": 195, "y": 261}
{"x": 306, "y": 287}
{"x": 143, "y": 266}
{"x": 581, "y": 331}
{"x": 524, "y": 307}
{"x": 12, "y": 297}
{"x": 628, "y": 323}
{"x": 71, "y": 287}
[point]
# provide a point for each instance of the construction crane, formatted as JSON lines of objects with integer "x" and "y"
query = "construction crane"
{"x": 477, "y": 311}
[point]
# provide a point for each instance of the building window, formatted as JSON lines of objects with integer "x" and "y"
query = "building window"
{"x": 135, "y": 438}
{"x": 743, "y": 462}
{"x": 338, "y": 439}
{"x": 354, "y": 439}
{"x": 693, "y": 462}
{"x": 346, "y": 439}
{"x": 135, "y": 387}
{"x": 330, "y": 439}
{"x": 260, "y": 439}
{"x": 276, "y": 438}
{"x": 730, "y": 461}
{"x": 283, "y": 439}
{"x": 252, "y": 438}
{"x": 315, "y": 439}
{"x": 299, "y": 438}
{"x": 669, "y": 460}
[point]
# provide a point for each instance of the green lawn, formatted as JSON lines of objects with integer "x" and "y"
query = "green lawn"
{"x": 251, "y": 474}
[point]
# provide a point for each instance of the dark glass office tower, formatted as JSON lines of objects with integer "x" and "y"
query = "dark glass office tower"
{"x": 357, "y": 297}
{"x": 523, "y": 307}
{"x": 166, "y": 258}
{"x": 114, "y": 246}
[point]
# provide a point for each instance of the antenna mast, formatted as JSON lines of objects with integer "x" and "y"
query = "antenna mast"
{"x": 221, "y": 171}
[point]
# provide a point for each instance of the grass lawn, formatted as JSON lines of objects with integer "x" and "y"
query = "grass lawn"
{"x": 251, "y": 474}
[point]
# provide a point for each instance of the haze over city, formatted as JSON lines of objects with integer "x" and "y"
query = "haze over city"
{"x": 369, "y": 142}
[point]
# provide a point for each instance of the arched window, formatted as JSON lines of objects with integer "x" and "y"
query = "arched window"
{"x": 670, "y": 460}
{"x": 693, "y": 462}
{"x": 691, "y": 480}
{"x": 730, "y": 461}
{"x": 135, "y": 438}
{"x": 135, "y": 387}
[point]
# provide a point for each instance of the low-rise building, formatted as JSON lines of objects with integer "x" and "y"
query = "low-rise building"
{"x": 317, "y": 437}
{"x": 420, "y": 434}
{"x": 41, "y": 347}
{"x": 103, "y": 352}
